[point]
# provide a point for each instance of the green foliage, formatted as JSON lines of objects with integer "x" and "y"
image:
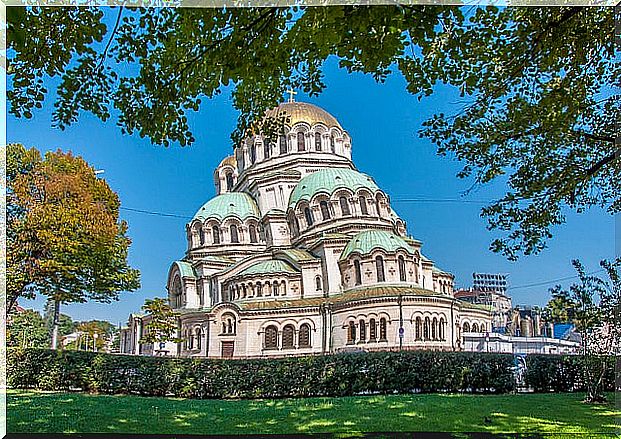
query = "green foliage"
{"x": 334, "y": 375}
{"x": 66, "y": 325}
{"x": 162, "y": 322}
{"x": 27, "y": 329}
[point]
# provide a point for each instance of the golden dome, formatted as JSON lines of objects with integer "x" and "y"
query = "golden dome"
{"x": 230, "y": 160}
{"x": 304, "y": 112}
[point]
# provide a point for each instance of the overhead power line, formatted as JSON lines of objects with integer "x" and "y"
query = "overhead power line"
{"x": 148, "y": 212}
{"x": 538, "y": 284}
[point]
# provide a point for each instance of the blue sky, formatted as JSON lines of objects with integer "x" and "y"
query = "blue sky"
{"x": 382, "y": 119}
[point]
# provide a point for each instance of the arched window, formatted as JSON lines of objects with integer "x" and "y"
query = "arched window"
{"x": 309, "y": 216}
{"x": 402, "y": 277}
{"x": 190, "y": 340}
{"x": 441, "y": 329}
{"x": 379, "y": 266}
{"x": 418, "y": 328}
{"x": 229, "y": 181}
{"x": 372, "y": 330}
{"x": 304, "y": 336}
{"x": 482, "y": 329}
{"x": 378, "y": 208}
{"x": 466, "y": 327}
{"x": 253, "y": 154}
{"x": 383, "y": 329}
{"x": 351, "y": 333}
{"x": 275, "y": 288}
{"x": 325, "y": 210}
{"x": 426, "y": 328}
{"x": 434, "y": 326}
{"x": 267, "y": 150}
{"x": 283, "y": 144}
{"x": 252, "y": 231}
{"x": 215, "y": 234}
{"x": 201, "y": 236}
{"x": 318, "y": 283}
{"x": 358, "y": 272}
{"x": 301, "y": 142}
{"x": 271, "y": 337}
{"x": 259, "y": 289}
{"x": 288, "y": 337}
{"x": 317, "y": 141}
{"x": 177, "y": 293}
{"x": 199, "y": 338}
{"x": 363, "y": 206}
{"x": 332, "y": 143}
{"x": 475, "y": 327}
{"x": 234, "y": 235}
{"x": 244, "y": 291}
{"x": 363, "y": 331}
{"x": 228, "y": 324}
{"x": 344, "y": 206}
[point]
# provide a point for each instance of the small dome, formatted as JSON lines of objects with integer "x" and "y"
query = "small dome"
{"x": 230, "y": 160}
{"x": 328, "y": 181}
{"x": 273, "y": 266}
{"x": 238, "y": 204}
{"x": 304, "y": 112}
{"x": 365, "y": 242}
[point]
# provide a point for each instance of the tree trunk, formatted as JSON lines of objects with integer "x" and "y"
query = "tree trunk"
{"x": 55, "y": 324}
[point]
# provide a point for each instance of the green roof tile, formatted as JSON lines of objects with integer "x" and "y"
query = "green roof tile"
{"x": 328, "y": 181}
{"x": 268, "y": 267}
{"x": 365, "y": 242}
{"x": 185, "y": 268}
{"x": 238, "y": 204}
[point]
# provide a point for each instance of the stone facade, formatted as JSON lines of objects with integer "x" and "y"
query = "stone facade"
{"x": 299, "y": 253}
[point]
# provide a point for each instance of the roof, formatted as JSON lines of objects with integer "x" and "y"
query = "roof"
{"x": 365, "y": 242}
{"x": 230, "y": 160}
{"x": 185, "y": 268}
{"x": 271, "y": 266}
{"x": 297, "y": 112}
{"x": 299, "y": 255}
{"x": 328, "y": 181}
{"x": 238, "y": 204}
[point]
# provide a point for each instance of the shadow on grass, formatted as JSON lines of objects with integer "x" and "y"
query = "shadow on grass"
{"x": 39, "y": 412}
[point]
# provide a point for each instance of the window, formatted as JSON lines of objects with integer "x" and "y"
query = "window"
{"x": 304, "y": 336}
{"x": 332, "y": 144}
{"x": 177, "y": 293}
{"x": 275, "y": 288}
{"x": 229, "y": 181}
{"x": 191, "y": 340}
{"x": 372, "y": 330}
{"x": 363, "y": 331}
{"x": 252, "y": 231}
{"x": 259, "y": 289}
{"x": 318, "y": 283}
{"x": 418, "y": 328}
{"x": 383, "y": 329}
{"x": 434, "y": 327}
{"x": 344, "y": 206}
{"x": 271, "y": 337}
{"x": 201, "y": 235}
{"x": 441, "y": 329}
{"x": 199, "y": 338}
{"x": 426, "y": 328}
{"x": 378, "y": 208}
{"x": 201, "y": 294}
{"x": 267, "y": 150}
{"x": 253, "y": 154}
{"x": 301, "y": 142}
{"x": 228, "y": 324}
{"x": 317, "y": 141}
{"x": 325, "y": 210}
{"x": 288, "y": 336}
{"x": 215, "y": 233}
{"x": 401, "y": 261}
{"x": 309, "y": 216}
{"x": 283, "y": 144}
{"x": 363, "y": 206}
{"x": 466, "y": 327}
{"x": 351, "y": 333}
{"x": 475, "y": 328}
{"x": 234, "y": 235}
{"x": 358, "y": 272}
{"x": 379, "y": 266}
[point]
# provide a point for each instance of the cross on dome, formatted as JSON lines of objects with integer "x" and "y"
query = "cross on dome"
{"x": 291, "y": 94}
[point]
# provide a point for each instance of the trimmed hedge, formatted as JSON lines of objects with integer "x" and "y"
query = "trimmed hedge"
{"x": 330, "y": 375}
{"x": 558, "y": 373}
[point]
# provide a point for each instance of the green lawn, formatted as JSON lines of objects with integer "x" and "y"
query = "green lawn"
{"x": 31, "y": 411}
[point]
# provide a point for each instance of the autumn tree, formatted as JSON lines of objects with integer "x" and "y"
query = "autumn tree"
{"x": 540, "y": 85}
{"x": 27, "y": 329}
{"x": 68, "y": 233}
{"x": 162, "y": 323}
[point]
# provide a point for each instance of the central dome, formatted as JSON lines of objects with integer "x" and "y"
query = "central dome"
{"x": 238, "y": 204}
{"x": 304, "y": 112}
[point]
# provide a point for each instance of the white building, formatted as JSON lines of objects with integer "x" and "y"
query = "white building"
{"x": 493, "y": 342}
{"x": 300, "y": 253}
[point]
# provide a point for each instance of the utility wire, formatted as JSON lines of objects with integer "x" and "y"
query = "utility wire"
{"x": 538, "y": 284}
{"x": 148, "y": 212}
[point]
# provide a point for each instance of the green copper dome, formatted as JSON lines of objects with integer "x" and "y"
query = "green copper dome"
{"x": 369, "y": 240}
{"x": 238, "y": 204}
{"x": 268, "y": 267}
{"x": 328, "y": 181}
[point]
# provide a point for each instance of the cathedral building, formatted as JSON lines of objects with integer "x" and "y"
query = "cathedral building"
{"x": 299, "y": 253}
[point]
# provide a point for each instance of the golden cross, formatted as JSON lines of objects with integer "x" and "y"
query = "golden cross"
{"x": 291, "y": 93}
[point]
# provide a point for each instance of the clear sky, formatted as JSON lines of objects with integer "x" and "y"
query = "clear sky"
{"x": 383, "y": 120}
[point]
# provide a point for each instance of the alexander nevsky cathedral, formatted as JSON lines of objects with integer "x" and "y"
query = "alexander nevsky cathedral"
{"x": 300, "y": 253}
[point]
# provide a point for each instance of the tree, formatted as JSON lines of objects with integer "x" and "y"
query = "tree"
{"x": 66, "y": 325}
{"x": 94, "y": 335}
{"x": 559, "y": 307}
{"x": 27, "y": 329}
{"x": 67, "y": 233}
{"x": 540, "y": 84}
{"x": 594, "y": 306}
{"x": 162, "y": 323}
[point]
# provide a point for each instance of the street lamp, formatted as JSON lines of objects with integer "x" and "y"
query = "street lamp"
{"x": 95, "y": 335}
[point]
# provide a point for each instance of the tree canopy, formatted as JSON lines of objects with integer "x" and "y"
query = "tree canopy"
{"x": 539, "y": 84}
{"x": 163, "y": 322}
{"x": 65, "y": 239}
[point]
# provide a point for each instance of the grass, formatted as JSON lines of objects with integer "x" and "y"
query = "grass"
{"x": 53, "y": 412}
